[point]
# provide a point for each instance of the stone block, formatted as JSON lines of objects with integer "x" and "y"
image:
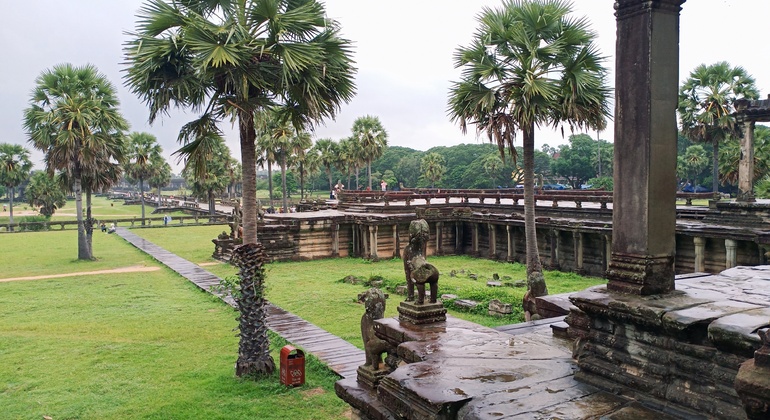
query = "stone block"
{"x": 465, "y": 303}
{"x": 401, "y": 290}
{"x": 497, "y": 308}
{"x": 494, "y": 284}
{"x": 448, "y": 296}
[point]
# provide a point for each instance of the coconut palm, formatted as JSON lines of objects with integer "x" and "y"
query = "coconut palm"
{"x": 372, "y": 140}
{"x": 529, "y": 65}
{"x": 142, "y": 150}
{"x": 433, "y": 168}
{"x": 74, "y": 119}
{"x": 14, "y": 169}
{"x": 309, "y": 164}
{"x": 329, "y": 156}
{"x": 706, "y": 104}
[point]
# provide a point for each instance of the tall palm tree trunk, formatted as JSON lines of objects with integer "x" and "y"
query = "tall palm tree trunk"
{"x": 254, "y": 346}
{"x": 715, "y": 169}
{"x": 248, "y": 159}
{"x": 283, "y": 184}
{"x": 301, "y": 182}
{"x": 270, "y": 182}
{"x": 141, "y": 196}
{"x": 535, "y": 281}
{"x": 10, "y": 208}
{"x": 83, "y": 249}
{"x": 212, "y": 204}
{"x": 369, "y": 172}
{"x": 89, "y": 223}
{"x": 159, "y": 200}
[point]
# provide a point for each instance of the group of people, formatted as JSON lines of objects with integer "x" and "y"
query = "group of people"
{"x": 111, "y": 229}
{"x": 340, "y": 186}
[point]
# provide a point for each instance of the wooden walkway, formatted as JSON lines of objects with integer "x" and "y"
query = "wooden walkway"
{"x": 341, "y": 356}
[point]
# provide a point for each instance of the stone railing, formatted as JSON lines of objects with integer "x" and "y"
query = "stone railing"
{"x": 445, "y": 196}
{"x": 131, "y": 222}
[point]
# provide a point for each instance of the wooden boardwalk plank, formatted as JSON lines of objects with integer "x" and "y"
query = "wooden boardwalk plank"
{"x": 342, "y": 357}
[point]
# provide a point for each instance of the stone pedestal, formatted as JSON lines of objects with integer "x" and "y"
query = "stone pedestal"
{"x": 370, "y": 377}
{"x": 753, "y": 381}
{"x": 418, "y": 314}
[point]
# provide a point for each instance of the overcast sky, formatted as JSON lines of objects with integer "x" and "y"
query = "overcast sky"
{"x": 403, "y": 51}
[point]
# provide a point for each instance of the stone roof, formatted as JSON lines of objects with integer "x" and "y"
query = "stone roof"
{"x": 752, "y": 110}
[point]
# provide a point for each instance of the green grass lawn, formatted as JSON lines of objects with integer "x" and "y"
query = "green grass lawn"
{"x": 101, "y": 208}
{"x": 151, "y": 345}
{"x": 314, "y": 290}
{"x": 133, "y": 345}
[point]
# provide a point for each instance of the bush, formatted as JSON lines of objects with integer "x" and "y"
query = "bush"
{"x": 40, "y": 223}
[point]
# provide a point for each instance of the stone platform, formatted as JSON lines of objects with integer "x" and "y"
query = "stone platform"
{"x": 680, "y": 349}
{"x": 458, "y": 369}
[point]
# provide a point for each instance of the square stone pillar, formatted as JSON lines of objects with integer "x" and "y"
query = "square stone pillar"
{"x": 746, "y": 165}
{"x": 644, "y": 198}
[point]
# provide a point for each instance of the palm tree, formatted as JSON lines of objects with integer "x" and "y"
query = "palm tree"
{"x": 492, "y": 164}
{"x": 706, "y": 105}
{"x": 74, "y": 119}
{"x": 309, "y": 165}
{"x": 161, "y": 175}
{"x": 529, "y": 65}
{"x": 14, "y": 169}
{"x": 233, "y": 59}
{"x": 300, "y": 145}
{"x": 730, "y": 156}
{"x": 142, "y": 151}
{"x": 329, "y": 156}
{"x": 208, "y": 172}
{"x": 45, "y": 192}
{"x": 691, "y": 164}
{"x": 372, "y": 139}
{"x": 433, "y": 168}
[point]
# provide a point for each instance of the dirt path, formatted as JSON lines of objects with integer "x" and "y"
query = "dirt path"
{"x": 132, "y": 269}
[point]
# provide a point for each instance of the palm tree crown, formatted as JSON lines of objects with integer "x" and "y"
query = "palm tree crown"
{"x": 234, "y": 58}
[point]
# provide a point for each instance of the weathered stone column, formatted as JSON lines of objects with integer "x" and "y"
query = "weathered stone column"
{"x": 396, "y": 245}
{"x": 554, "y": 237}
{"x": 607, "y": 252}
{"x": 700, "y": 254}
{"x": 439, "y": 234}
{"x": 746, "y": 165}
{"x": 510, "y": 243}
{"x": 644, "y": 207}
{"x": 731, "y": 253}
{"x": 577, "y": 239}
{"x": 373, "y": 242}
{"x": 475, "y": 240}
{"x": 458, "y": 238}
{"x": 365, "y": 236}
{"x": 354, "y": 233}
{"x": 492, "y": 241}
{"x": 335, "y": 240}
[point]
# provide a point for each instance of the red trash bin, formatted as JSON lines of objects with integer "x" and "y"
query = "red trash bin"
{"x": 292, "y": 366}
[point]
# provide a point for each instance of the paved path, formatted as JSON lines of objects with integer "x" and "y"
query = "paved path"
{"x": 341, "y": 356}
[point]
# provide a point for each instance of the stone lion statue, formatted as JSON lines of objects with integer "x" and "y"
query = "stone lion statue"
{"x": 417, "y": 270}
{"x": 374, "y": 304}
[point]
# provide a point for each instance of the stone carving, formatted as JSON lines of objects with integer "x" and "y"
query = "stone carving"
{"x": 417, "y": 270}
{"x": 752, "y": 384}
{"x": 374, "y": 304}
